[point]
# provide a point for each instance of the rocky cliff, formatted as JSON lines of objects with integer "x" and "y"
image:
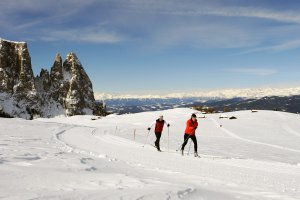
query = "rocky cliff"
{"x": 66, "y": 90}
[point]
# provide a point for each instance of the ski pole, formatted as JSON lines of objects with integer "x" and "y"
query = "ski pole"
{"x": 168, "y": 139}
{"x": 183, "y": 143}
{"x": 146, "y": 138}
{"x": 189, "y": 148}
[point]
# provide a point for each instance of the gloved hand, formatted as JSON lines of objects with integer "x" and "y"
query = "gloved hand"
{"x": 168, "y": 125}
{"x": 149, "y": 129}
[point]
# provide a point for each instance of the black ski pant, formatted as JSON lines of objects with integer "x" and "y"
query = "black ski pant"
{"x": 186, "y": 138}
{"x": 158, "y": 135}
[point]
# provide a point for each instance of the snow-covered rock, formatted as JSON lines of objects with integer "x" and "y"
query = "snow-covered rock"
{"x": 17, "y": 88}
{"x": 67, "y": 89}
{"x": 78, "y": 94}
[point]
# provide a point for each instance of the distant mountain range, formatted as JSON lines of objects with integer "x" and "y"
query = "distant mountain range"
{"x": 287, "y": 104}
{"x": 215, "y": 94}
{"x": 283, "y": 99}
{"x": 122, "y": 106}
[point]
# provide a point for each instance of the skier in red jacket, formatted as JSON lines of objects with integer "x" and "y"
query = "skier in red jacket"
{"x": 191, "y": 126}
{"x": 159, "y": 125}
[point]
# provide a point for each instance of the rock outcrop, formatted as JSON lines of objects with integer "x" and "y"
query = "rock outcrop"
{"x": 79, "y": 95}
{"x": 66, "y": 90}
{"x": 18, "y": 95}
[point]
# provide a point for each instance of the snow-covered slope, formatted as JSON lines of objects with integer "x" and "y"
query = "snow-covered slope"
{"x": 224, "y": 94}
{"x": 256, "y": 156}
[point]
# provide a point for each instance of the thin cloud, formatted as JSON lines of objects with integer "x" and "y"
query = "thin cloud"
{"x": 289, "y": 45}
{"x": 254, "y": 12}
{"x": 91, "y": 35}
{"x": 37, "y": 6}
{"x": 203, "y": 35}
{"x": 166, "y": 7}
{"x": 197, "y": 24}
{"x": 45, "y": 11}
{"x": 253, "y": 71}
{"x": 213, "y": 33}
{"x": 192, "y": 8}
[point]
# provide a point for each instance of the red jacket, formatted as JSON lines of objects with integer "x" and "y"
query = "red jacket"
{"x": 159, "y": 125}
{"x": 191, "y": 127}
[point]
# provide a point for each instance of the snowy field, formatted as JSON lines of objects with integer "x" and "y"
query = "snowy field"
{"x": 256, "y": 156}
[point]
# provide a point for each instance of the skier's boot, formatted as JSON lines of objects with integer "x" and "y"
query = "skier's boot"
{"x": 158, "y": 148}
{"x": 182, "y": 153}
{"x": 196, "y": 154}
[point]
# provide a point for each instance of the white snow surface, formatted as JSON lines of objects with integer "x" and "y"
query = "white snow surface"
{"x": 256, "y": 156}
{"x": 16, "y": 42}
{"x": 224, "y": 94}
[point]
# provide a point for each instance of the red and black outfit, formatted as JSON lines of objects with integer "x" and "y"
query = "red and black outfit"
{"x": 190, "y": 130}
{"x": 159, "y": 126}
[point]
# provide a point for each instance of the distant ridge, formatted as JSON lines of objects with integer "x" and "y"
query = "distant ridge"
{"x": 222, "y": 94}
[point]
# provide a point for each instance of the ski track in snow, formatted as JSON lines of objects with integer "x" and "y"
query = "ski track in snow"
{"x": 124, "y": 143}
{"x": 230, "y": 133}
{"x": 87, "y": 160}
{"x": 290, "y": 130}
{"x": 108, "y": 138}
{"x": 285, "y": 125}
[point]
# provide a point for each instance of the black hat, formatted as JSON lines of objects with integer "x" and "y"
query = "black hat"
{"x": 194, "y": 115}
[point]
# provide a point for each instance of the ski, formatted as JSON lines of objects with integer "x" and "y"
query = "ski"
{"x": 156, "y": 148}
{"x": 196, "y": 155}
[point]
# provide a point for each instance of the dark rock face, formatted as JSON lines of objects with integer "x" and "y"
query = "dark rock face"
{"x": 17, "y": 80}
{"x": 15, "y": 64}
{"x": 42, "y": 81}
{"x": 57, "y": 78}
{"x": 66, "y": 90}
{"x": 79, "y": 95}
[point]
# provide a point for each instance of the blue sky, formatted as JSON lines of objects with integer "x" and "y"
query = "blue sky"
{"x": 155, "y": 46}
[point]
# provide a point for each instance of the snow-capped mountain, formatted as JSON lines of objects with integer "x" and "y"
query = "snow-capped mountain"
{"x": 222, "y": 94}
{"x": 67, "y": 89}
{"x": 233, "y": 99}
{"x": 122, "y": 106}
{"x": 288, "y": 104}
